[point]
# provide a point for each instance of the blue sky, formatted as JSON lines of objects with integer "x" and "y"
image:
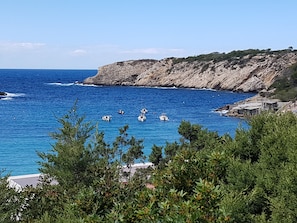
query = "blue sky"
{"x": 77, "y": 34}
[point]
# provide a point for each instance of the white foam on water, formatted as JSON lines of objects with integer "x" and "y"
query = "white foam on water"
{"x": 12, "y": 95}
{"x": 87, "y": 85}
{"x": 61, "y": 84}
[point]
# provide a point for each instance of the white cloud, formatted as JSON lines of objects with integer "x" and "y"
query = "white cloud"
{"x": 78, "y": 52}
{"x": 29, "y": 45}
{"x": 20, "y": 45}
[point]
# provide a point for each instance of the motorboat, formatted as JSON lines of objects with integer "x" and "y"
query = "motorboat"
{"x": 106, "y": 118}
{"x": 141, "y": 117}
{"x": 144, "y": 111}
{"x": 164, "y": 117}
{"x": 121, "y": 112}
{"x": 3, "y": 94}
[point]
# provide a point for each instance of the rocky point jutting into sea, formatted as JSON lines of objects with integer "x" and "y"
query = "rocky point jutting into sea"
{"x": 241, "y": 71}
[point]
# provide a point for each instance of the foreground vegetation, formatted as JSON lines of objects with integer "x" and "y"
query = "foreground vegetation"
{"x": 202, "y": 178}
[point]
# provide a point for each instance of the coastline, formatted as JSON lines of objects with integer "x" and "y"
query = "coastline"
{"x": 255, "y": 105}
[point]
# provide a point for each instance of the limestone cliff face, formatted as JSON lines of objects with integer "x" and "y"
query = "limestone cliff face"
{"x": 246, "y": 74}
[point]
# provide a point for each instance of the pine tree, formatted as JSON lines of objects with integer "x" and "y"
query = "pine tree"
{"x": 70, "y": 158}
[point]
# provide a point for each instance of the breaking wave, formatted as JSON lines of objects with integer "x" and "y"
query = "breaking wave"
{"x": 71, "y": 84}
{"x": 61, "y": 84}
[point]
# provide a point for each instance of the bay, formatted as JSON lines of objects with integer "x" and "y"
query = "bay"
{"x": 37, "y": 98}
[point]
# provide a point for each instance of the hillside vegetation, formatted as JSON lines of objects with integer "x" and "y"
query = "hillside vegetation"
{"x": 204, "y": 177}
{"x": 286, "y": 85}
{"x": 231, "y": 56}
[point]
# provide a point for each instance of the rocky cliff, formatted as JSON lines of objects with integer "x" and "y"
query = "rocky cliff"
{"x": 239, "y": 71}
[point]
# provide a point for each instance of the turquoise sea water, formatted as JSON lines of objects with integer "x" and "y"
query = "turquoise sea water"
{"x": 38, "y": 97}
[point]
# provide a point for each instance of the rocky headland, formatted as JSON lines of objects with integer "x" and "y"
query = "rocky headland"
{"x": 239, "y": 71}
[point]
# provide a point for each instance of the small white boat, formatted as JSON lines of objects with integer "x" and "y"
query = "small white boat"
{"x": 163, "y": 117}
{"x": 141, "y": 117}
{"x": 106, "y": 118}
{"x": 144, "y": 111}
{"x": 121, "y": 112}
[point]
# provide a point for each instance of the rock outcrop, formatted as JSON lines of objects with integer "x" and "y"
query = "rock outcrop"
{"x": 247, "y": 73}
{"x": 255, "y": 105}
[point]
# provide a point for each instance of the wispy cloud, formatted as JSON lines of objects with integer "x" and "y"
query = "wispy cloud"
{"x": 152, "y": 51}
{"x": 78, "y": 52}
{"x": 20, "y": 45}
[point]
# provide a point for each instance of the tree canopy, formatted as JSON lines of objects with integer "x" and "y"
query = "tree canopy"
{"x": 204, "y": 177}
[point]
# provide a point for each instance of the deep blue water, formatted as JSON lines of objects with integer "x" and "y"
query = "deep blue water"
{"x": 39, "y": 97}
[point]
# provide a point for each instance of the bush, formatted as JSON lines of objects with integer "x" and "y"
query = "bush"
{"x": 11, "y": 201}
{"x": 286, "y": 85}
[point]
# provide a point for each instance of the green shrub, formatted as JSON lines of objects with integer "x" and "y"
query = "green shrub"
{"x": 286, "y": 85}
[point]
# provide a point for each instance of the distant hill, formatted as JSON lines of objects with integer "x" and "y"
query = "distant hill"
{"x": 243, "y": 71}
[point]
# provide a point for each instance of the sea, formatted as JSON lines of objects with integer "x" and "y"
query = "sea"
{"x": 37, "y": 98}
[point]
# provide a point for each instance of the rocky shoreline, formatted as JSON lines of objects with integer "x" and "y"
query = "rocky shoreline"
{"x": 256, "y": 105}
{"x": 248, "y": 73}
